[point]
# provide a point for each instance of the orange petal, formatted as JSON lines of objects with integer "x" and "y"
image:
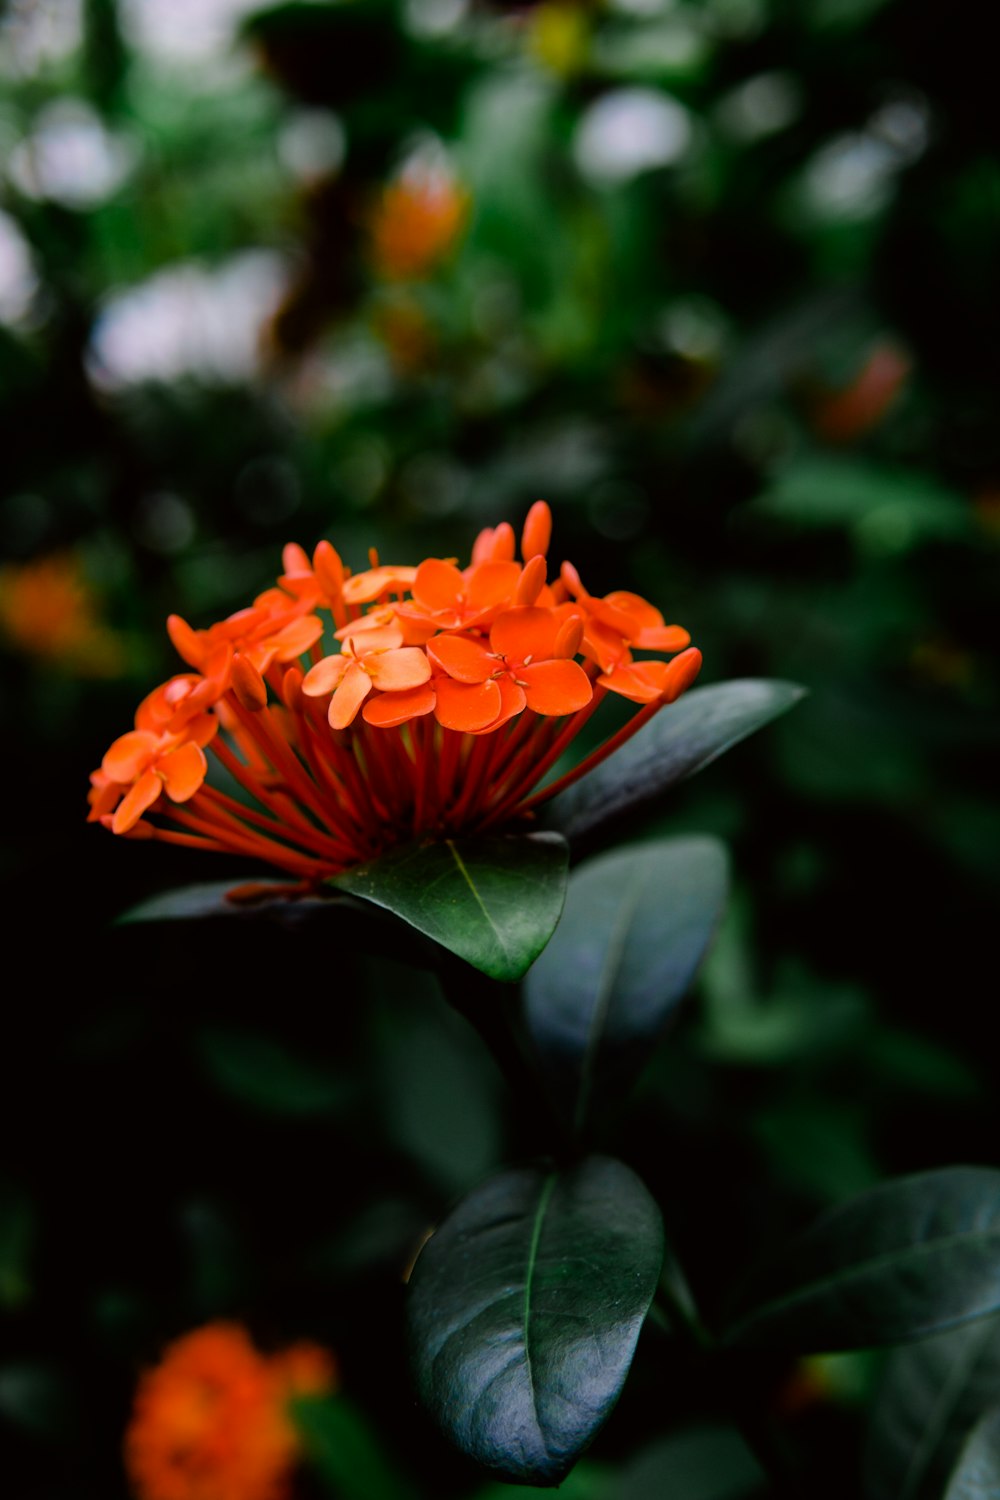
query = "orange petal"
{"x": 363, "y": 588}
{"x": 382, "y": 638}
{"x": 395, "y": 671}
{"x": 202, "y": 729}
{"x": 662, "y": 638}
{"x": 570, "y": 636}
{"x": 556, "y": 687}
{"x": 438, "y": 584}
{"x": 461, "y": 657}
{"x": 512, "y": 701}
{"x": 142, "y": 796}
{"x": 490, "y": 584}
{"x": 605, "y": 646}
{"x": 681, "y": 672}
{"x": 355, "y": 685}
{"x": 466, "y": 706}
{"x": 291, "y": 689}
{"x": 129, "y": 756}
{"x": 248, "y": 684}
{"x": 296, "y": 637}
{"x": 386, "y": 710}
{"x": 325, "y": 676}
{"x": 640, "y": 681}
{"x": 183, "y": 771}
{"x": 502, "y": 544}
{"x": 531, "y": 582}
{"x": 537, "y": 531}
{"x": 186, "y": 642}
{"x": 329, "y": 570}
{"x": 294, "y": 559}
{"x": 520, "y": 634}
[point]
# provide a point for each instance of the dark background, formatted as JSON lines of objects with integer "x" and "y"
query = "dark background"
{"x": 724, "y": 295}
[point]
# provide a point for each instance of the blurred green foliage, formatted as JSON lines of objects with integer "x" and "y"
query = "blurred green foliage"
{"x": 719, "y": 285}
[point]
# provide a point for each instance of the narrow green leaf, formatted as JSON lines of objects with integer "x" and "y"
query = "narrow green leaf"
{"x": 930, "y": 1394}
{"x": 976, "y": 1476}
{"x": 907, "y": 1258}
{"x": 636, "y": 925}
{"x": 680, "y": 740}
{"x": 494, "y": 901}
{"x": 524, "y": 1312}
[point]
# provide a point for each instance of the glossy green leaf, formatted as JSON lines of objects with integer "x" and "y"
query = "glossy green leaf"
{"x": 930, "y": 1394}
{"x": 680, "y": 740}
{"x": 976, "y": 1475}
{"x": 525, "y": 1308}
{"x": 907, "y": 1258}
{"x": 493, "y": 901}
{"x": 636, "y": 925}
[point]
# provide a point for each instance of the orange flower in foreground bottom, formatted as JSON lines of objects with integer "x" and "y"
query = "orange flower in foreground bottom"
{"x": 210, "y": 1420}
{"x": 450, "y": 697}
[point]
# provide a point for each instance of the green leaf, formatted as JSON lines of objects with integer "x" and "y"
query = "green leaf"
{"x": 525, "y": 1308}
{"x": 213, "y": 900}
{"x": 267, "y": 1075}
{"x": 339, "y": 1443}
{"x": 905, "y": 1259}
{"x": 703, "y": 1463}
{"x": 679, "y": 741}
{"x": 493, "y": 901}
{"x": 930, "y": 1394}
{"x": 976, "y": 1476}
{"x": 636, "y": 925}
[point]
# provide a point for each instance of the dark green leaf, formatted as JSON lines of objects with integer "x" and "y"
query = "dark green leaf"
{"x": 636, "y": 925}
{"x": 976, "y": 1476}
{"x": 525, "y": 1308}
{"x": 339, "y": 1443}
{"x": 680, "y": 740}
{"x": 930, "y": 1394}
{"x": 704, "y": 1463}
{"x": 213, "y": 900}
{"x": 493, "y": 901}
{"x": 907, "y": 1258}
{"x": 267, "y": 1075}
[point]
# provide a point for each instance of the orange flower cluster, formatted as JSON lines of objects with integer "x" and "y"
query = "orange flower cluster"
{"x": 210, "y": 1421}
{"x": 416, "y": 222}
{"x": 449, "y": 696}
{"x": 48, "y": 610}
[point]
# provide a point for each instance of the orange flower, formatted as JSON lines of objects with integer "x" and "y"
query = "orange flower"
{"x": 210, "y": 1421}
{"x": 452, "y": 695}
{"x": 48, "y": 610}
{"x": 417, "y": 221}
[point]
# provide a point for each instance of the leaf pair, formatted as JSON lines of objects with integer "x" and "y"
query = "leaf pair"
{"x": 495, "y": 900}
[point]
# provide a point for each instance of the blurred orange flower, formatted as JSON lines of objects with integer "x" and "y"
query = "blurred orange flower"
{"x": 210, "y": 1421}
{"x": 416, "y": 222}
{"x": 48, "y": 610}
{"x": 448, "y": 697}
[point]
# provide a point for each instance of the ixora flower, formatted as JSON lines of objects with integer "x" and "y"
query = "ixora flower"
{"x": 210, "y": 1421}
{"x": 359, "y": 712}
